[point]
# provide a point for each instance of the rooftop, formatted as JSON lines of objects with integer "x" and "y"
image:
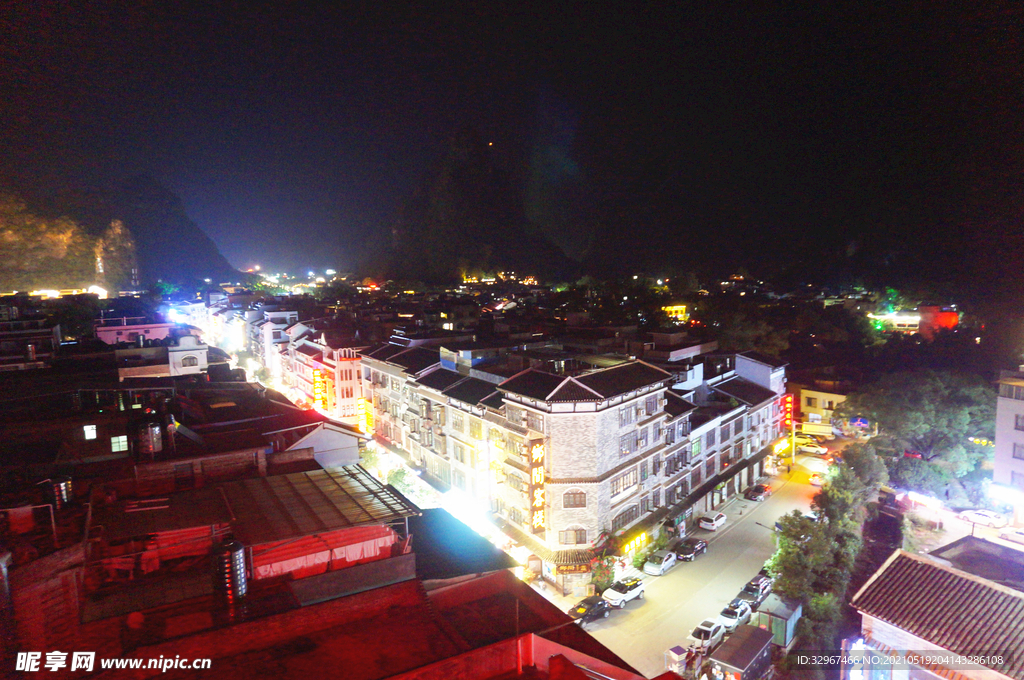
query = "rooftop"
{"x": 745, "y": 391}
{"x": 957, "y": 611}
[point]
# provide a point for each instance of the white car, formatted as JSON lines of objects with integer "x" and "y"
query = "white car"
{"x": 707, "y": 635}
{"x": 983, "y": 517}
{"x": 660, "y": 562}
{"x": 811, "y": 446}
{"x": 621, "y": 592}
{"x": 712, "y": 521}
{"x": 735, "y": 614}
{"x": 1015, "y": 535}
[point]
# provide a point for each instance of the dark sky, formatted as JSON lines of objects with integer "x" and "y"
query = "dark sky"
{"x": 292, "y": 133}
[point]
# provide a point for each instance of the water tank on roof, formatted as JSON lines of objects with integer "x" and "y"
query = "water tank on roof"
{"x": 229, "y": 570}
{"x": 151, "y": 439}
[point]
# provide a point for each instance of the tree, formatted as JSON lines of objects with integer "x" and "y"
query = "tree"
{"x": 934, "y": 413}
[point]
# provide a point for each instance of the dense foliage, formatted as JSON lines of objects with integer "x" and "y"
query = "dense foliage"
{"x": 816, "y": 554}
{"x": 927, "y": 423}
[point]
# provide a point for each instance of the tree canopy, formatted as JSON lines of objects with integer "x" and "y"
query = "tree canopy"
{"x": 934, "y": 414}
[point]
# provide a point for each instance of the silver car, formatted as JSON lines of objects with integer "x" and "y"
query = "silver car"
{"x": 735, "y": 614}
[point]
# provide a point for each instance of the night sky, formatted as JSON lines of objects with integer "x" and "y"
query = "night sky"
{"x": 747, "y": 132}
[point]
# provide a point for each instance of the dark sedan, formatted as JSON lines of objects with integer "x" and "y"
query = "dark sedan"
{"x": 590, "y": 609}
{"x": 690, "y": 548}
{"x": 758, "y": 492}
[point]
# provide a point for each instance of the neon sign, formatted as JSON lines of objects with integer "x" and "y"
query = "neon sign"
{"x": 319, "y": 389}
{"x": 537, "y": 491}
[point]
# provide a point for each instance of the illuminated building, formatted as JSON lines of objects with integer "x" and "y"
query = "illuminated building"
{"x": 572, "y": 462}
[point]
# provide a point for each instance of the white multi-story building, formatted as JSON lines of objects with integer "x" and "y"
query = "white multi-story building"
{"x": 1008, "y": 473}
{"x": 573, "y": 463}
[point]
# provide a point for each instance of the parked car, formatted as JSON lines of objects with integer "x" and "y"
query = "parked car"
{"x": 659, "y": 562}
{"x": 758, "y": 492}
{"x": 590, "y": 609}
{"x": 707, "y": 635}
{"x": 735, "y": 614}
{"x": 756, "y": 590}
{"x": 1015, "y": 535}
{"x": 621, "y": 592}
{"x": 691, "y": 547}
{"x": 984, "y": 517}
{"x": 812, "y": 447}
{"x": 713, "y": 521}
{"x": 815, "y": 480}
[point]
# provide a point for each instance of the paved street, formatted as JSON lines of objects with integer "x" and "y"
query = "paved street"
{"x": 691, "y": 592}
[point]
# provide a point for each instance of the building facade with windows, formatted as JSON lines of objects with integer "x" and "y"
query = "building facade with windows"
{"x": 569, "y": 464}
{"x": 1008, "y": 473}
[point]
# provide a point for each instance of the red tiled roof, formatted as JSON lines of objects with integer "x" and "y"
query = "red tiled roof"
{"x": 954, "y": 610}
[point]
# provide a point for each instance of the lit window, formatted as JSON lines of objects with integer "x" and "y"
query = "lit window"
{"x": 90, "y": 431}
{"x": 190, "y": 360}
{"x": 118, "y": 444}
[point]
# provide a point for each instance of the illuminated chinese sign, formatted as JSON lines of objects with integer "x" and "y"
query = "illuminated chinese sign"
{"x": 319, "y": 389}
{"x": 365, "y": 415}
{"x": 537, "y": 500}
{"x": 638, "y": 542}
{"x": 787, "y": 410}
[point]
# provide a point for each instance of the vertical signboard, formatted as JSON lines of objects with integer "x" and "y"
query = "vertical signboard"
{"x": 536, "y": 453}
{"x": 319, "y": 390}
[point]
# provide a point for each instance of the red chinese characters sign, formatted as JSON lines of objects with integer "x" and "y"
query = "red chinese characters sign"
{"x": 536, "y": 453}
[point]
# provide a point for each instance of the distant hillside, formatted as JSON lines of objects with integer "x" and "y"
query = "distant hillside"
{"x": 83, "y": 238}
{"x": 43, "y": 251}
{"x": 466, "y": 218}
{"x": 170, "y": 245}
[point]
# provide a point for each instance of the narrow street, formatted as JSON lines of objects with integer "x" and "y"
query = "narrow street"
{"x": 693, "y": 591}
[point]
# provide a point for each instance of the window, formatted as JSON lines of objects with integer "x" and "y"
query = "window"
{"x": 811, "y": 402}
{"x": 710, "y": 436}
{"x": 572, "y": 536}
{"x": 645, "y": 504}
{"x": 655, "y": 465}
{"x": 118, "y": 444}
{"x": 656, "y": 499}
{"x": 623, "y": 482}
{"x": 574, "y": 499}
{"x": 695, "y": 478}
{"x": 457, "y": 421}
{"x": 514, "y": 482}
{"x": 627, "y": 444}
{"x": 643, "y": 470}
{"x": 459, "y": 453}
{"x": 626, "y": 517}
{"x": 514, "y": 414}
{"x": 189, "y": 360}
{"x": 1018, "y": 422}
{"x": 709, "y": 467}
{"x": 625, "y": 416}
{"x": 475, "y": 429}
{"x": 696, "y": 447}
{"x": 459, "y": 479}
{"x": 642, "y": 439}
{"x": 1018, "y": 452}
{"x": 725, "y": 433}
{"x": 515, "y": 515}
{"x": 535, "y": 421}
{"x": 651, "y": 404}
{"x": 656, "y": 434}
{"x": 670, "y": 435}
{"x": 90, "y": 431}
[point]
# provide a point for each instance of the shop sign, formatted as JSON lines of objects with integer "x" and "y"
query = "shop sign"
{"x": 319, "y": 389}
{"x": 536, "y": 453}
{"x": 638, "y": 542}
{"x": 573, "y": 569}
